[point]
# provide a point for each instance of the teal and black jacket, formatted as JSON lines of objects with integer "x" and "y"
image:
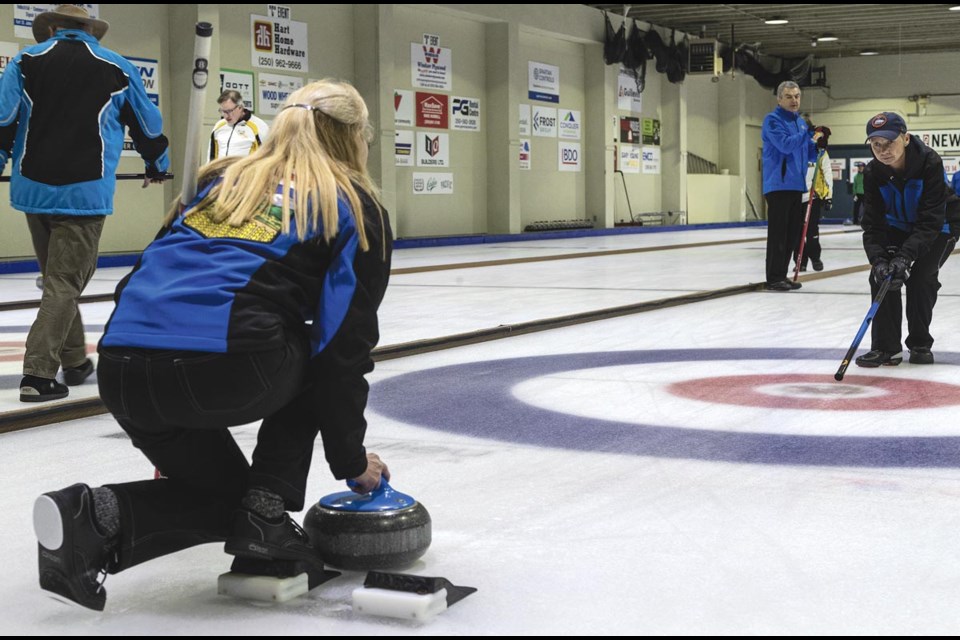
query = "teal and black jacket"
{"x": 64, "y": 105}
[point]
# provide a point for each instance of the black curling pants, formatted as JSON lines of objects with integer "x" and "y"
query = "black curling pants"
{"x": 811, "y": 245}
{"x": 784, "y": 225}
{"x": 922, "y": 287}
{"x": 177, "y": 407}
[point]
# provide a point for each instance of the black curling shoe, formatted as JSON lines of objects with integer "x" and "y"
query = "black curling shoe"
{"x": 921, "y": 355}
{"x": 877, "y": 358}
{"x": 78, "y": 375}
{"x": 36, "y": 389}
{"x": 71, "y": 550}
{"x": 258, "y": 538}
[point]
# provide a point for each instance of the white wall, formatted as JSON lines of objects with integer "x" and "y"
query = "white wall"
{"x": 713, "y": 198}
{"x": 370, "y": 46}
{"x": 703, "y": 117}
{"x": 861, "y": 87}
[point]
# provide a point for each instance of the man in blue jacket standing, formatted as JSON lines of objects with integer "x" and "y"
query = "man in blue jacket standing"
{"x": 64, "y": 104}
{"x": 787, "y": 149}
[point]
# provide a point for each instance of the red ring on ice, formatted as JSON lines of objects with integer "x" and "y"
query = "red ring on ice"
{"x": 819, "y": 392}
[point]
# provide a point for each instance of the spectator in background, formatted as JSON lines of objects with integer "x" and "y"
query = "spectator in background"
{"x": 787, "y": 149}
{"x": 858, "y": 192}
{"x": 820, "y": 185}
{"x": 238, "y": 132}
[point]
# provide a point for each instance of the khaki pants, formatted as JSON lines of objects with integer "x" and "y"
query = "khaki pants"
{"x": 66, "y": 248}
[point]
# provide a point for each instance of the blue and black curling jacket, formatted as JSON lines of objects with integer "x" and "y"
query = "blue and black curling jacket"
{"x": 64, "y": 104}
{"x": 917, "y": 203}
{"x": 207, "y": 286}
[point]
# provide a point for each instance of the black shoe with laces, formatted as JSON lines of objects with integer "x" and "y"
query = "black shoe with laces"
{"x": 37, "y": 389}
{"x": 877, "y": 358}
{"x": 260, "y": 538}
{"x": 78, "y": 375}
{"x": 73, "y": 555}
{"x": 921, "y": 355}
{"x": 782, "y": 285}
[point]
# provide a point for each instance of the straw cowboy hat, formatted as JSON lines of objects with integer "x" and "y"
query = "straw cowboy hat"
{"x": 68, "y": 13}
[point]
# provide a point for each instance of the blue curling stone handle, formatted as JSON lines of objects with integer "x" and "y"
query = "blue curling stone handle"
{"x": 383, "y": 498}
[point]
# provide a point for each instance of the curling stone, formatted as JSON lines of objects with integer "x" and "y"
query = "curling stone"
{"x": 383, "y": 529}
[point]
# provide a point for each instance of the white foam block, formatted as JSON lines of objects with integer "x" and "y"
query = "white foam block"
{"x": 399, "y": 604}
{"x": 264, "y": 588}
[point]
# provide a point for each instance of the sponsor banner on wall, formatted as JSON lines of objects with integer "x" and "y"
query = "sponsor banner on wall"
{"x": 525, "y": 154}
{"x": 430, "y": 67}
{"x": 651, "y": 160}
{"x": 543, "y": 82}
{"x": 402, "y": 108}
{"x": 568, "y": 156}
{"x": 951, "y": 164}
{"x": 7, "y": 52}
{"x": 629, "y": 97}
{"x": 433, "y": 149}
{"x": 630, "y": 158}
{"x": 940, "y": 140}
{"x": 465, "y": 114}
{"x": 403, "y": 148}
{"x": 273, "y": 90}
{"x": 242, "y": 81}
{"x": 23, "y": 15}
{"x": 651, "y": 131}
{"x": 544, "y": 122}
{"x": 432, "y": 184}
{"x": 837, "y": 167}
{"x": 150, "y": 75}
{"x": 524, "y": 119}
{"x": 629, "y": 130}
{"x": 568, "y": 124}
{"x": 432, "y": 110}
{"x": 278, "y": 43}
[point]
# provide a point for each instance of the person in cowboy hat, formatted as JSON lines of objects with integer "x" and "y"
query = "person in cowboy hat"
{"x": 64, "y": 104}
{"x": 67, "y": 16}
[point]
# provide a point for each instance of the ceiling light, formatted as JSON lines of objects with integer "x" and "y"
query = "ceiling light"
{"x": 827, "y": 38}
{"x": 776, "y": 21}
{"x": 957, "y": 8}
{"x": 870, "y": 52}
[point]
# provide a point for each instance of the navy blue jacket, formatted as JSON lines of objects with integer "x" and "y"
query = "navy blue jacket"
{"x": 210, "y": 287}
{"x": 788, "y": 147}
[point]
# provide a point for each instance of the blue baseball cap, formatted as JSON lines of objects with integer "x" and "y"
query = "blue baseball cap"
{"x": 886, "y": 125}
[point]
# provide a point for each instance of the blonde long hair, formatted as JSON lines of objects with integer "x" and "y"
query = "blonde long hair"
{"x": 315, "y": 145}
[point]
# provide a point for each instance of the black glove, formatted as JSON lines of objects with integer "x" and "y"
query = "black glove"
{"x": 827, "y": 204}
{"x": 150, "y": 171}
{"x": 881, "y": 269}
{"x": 900, "y": 269}
{"x": 825, "y": 139}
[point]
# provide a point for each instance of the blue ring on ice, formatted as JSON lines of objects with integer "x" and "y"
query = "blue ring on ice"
{"x": 475, "y": 399}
